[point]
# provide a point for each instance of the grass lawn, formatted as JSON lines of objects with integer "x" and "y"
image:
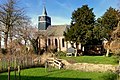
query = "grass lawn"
{"x": 93, "y": 59}
{"x": 54, "y": 74}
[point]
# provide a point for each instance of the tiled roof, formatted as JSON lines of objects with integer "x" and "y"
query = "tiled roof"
{"x": 56, "y": 30}
{"x": 42, "y": 32}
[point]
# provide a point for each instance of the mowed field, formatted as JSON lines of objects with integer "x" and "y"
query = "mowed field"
{"x": 55, "y": 74}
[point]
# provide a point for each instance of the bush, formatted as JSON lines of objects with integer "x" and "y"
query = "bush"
{"x": 60, "y": 53}
{"x": 4, "y": 51}
{"x": 52, "y": 49}
{"x": 117, "y": 52}
{"x": 110, "y": 76}
{"x": 116, "y": 59}
{"x": 94, "y": 50}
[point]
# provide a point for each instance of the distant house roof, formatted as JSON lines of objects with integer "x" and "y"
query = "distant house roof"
{"x": 56, "y": 30}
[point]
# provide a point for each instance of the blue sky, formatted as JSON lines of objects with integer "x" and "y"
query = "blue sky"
{"x": 60, "y": 10}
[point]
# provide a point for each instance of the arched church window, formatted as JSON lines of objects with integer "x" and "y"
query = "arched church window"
{"x": 63, "y": 42}
{"x": 49, "y": 42}
{"x": 56, "y": 43}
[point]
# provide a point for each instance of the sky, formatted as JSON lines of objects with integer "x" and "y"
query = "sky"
{"x": 60, "y": 11}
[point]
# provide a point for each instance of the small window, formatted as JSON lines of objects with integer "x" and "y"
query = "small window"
{"x": 63, "y": 43}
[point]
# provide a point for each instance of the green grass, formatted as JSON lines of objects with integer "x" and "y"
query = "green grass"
{"x": 54, "y": 74}
{"x": 93, "y": 59}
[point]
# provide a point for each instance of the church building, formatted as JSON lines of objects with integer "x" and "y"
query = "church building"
{"x": 54, "y": 33}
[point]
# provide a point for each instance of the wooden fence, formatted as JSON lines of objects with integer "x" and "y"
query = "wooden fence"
{"x": 53, "y": 62}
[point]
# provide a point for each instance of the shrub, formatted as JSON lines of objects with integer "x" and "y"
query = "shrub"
{"x": 4, "y": 51}
{"x": 110, "y": 76}
{"x": 52, "y": 49}
{"x": 60, "y": 53}
{"x": 117, "y": 52}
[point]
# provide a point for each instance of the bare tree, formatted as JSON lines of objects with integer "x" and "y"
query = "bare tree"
{"x": 10, "y": 15}
{"x": 33, "y": 38}
{"x": 27, "y": 34}
{"x": 23, "y": 31}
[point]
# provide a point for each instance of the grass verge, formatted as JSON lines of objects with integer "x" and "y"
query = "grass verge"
{"x": 54, "y": 74}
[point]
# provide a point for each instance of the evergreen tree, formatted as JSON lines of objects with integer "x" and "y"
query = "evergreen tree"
{"x": 108, "y": 22}
{"x": 82, "y": 24}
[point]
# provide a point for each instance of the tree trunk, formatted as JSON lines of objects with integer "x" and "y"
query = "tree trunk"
{"x": 83, "y": 49}
{"x": 107, "y": 54}
{"x": 6, "y": 40}
{"x": 66, "y": 45}
{"x": 45, "y": 44}
{"x": 11, "y": 46}
{"x": 34, "y": 43}
{"x": 77, "y": 45}
{"x": 0, "y": 41}
{"x": 8, "y": 73}
{"x": 39, "y": 46}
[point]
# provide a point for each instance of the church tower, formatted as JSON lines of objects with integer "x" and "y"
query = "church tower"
{"x": 44, "y": 21}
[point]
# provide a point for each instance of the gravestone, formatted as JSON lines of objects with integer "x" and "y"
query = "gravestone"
{"x": 71, "y": 51}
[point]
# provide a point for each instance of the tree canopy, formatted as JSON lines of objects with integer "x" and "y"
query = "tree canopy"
{"x": 85, "y": 29}
{"x": 80, "y": 31}
{"x": 109, "y": 21}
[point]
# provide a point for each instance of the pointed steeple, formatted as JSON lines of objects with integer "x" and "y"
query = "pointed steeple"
{"x": 44, "y": 21}
{"x": 44, "y": 13}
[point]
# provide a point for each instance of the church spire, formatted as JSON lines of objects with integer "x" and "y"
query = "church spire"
{"x": 44, "y": 11}
{"x": 44, "y": 21}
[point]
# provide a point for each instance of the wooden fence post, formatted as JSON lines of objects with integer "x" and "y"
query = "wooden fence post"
{"x": 26, "y": 61}
{"x": 30, "y": 61}
{"x": 39, "y": 61}
{"x": 19, "y": 72}
{"x": 1, "y": 64}
{"x": 15, "y": 74}
{"x": 9, "y": 73}
{"x": 15, "y": 68}
{"x": 46, "y": 65}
